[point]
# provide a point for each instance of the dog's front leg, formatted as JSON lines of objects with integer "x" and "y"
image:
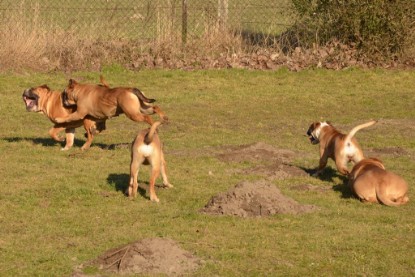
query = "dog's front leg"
{"x": 70, "y": 136}
{"x": 72, "y": 117}
{"x": 54, "y": 131}
{"x": 323, "y": 161}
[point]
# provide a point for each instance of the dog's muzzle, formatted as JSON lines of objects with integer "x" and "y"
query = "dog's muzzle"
{"x": 30, "y": 99}
{"x": 312, "y": 138}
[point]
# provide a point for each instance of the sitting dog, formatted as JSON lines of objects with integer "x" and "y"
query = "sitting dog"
{"x": 146, "y": 149}
{"x": 335, "y": 145}
{"x": 42, "y": 99}
{"x": 104, "y": 102}
{"x": 372, "y": 183}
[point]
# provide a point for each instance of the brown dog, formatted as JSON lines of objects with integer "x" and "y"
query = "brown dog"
{"x": 372, "y": 183}
{"x": 146, "y": 149}
{"x": 103, "y": 102}
{"x": 335, "y": 145}
{"x": 42, "y": 99}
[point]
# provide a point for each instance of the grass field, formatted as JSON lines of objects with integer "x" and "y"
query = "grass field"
{"x": 60, "y": 209}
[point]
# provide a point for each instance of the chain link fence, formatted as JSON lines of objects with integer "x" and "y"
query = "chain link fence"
{"x": 150, "y": 19}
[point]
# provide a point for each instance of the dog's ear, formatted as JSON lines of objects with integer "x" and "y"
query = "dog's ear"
{"x": 329, "y": 123}
{"x": 45, "y": 87}
{"x": 72, "y": 83}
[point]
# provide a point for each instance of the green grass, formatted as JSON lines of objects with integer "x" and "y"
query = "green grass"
{"x": 60, "y": 209}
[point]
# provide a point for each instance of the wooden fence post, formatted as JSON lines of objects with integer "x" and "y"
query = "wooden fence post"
{"x": 222, "y": 14}
{"x": 184, "y": 21}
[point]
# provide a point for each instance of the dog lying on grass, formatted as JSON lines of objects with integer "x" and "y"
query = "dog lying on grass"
{"x": 335, "y": 145}
{"x": 370, "y": 182}
{"x": 146, "y": 149}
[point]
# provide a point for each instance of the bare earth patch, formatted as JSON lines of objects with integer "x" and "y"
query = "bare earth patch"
{"x": 254, "y": 199}
{"x": 148, "y": 256}
{"x": 272, "y": 163}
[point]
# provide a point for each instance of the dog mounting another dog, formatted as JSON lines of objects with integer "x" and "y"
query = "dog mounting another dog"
{"x": 335, "y": 145}
{"x": 103, "y": 102}
{"x": 370, "y": 182}
{"x": 146, "y": 149}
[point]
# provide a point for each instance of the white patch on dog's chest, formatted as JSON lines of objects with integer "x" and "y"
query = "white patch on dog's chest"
{"x": 146, "y": 149}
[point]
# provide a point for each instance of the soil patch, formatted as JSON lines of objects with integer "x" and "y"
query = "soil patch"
{"x": 387, "y": 151}
{"x": 256, "y": 152}
{"x": 271, "y": 162}
{"x": 276, "y": 171}
{"x": 148, "y": 256}
{"x": 309, "y": 187}
{"x": 254, "y": 199}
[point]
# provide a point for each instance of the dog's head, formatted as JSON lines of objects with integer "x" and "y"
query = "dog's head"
{"x": 68, "y": 94}
{"x": 32, "y": 96}
{"x": 314, "y": 131}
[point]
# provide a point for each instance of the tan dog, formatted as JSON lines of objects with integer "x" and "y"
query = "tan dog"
{"x": 103, "y": 102}
{"x": 372, "y": 183}
{"x": 146, "y": 149}
{"x": 42, "y": 99}
{"x": 335, "y": 145}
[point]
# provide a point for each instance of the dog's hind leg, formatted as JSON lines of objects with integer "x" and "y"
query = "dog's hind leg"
{"x": 89, "y": 126}
{"x": 164, "y": 172}
{"x": 155, "y": 172}
{"x": 136, "y": 161}
{"x": 342, "y": 166}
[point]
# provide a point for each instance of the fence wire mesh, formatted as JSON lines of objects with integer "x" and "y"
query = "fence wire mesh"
{"x": 149, "y": 19}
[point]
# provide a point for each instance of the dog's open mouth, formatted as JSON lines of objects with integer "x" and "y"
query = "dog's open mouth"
{"x": 30, "y": 99}
{"x": 312, "y": 139}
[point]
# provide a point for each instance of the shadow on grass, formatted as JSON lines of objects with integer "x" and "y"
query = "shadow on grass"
{"x": 120, "y": 182}
{"x": 329, "y": 175}
{"x": 48, "y": 142}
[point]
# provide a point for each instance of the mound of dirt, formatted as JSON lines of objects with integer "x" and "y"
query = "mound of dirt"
{"x": 148, "y": 256}
{"x": 255, "y": 199}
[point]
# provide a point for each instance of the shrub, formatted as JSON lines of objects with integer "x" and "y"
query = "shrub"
{"x": 376, "y": 27}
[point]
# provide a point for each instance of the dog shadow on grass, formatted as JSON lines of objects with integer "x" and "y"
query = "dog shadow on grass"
{"x": 78, "y": 143}
{"x": 332, "y": 175}
{"x": 120, "y": 182}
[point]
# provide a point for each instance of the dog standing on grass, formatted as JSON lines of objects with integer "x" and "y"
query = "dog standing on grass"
{"x": 335, "y": 145}
{"x": 370, "y": 182}
{"x": 146, "y": 149}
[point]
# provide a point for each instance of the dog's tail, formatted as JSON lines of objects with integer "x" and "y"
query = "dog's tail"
{"x": 142, "y": 97}
{"x": 149, "y": 137}
{"x": 358, "y": 127}
{"x": 388, "y": 202}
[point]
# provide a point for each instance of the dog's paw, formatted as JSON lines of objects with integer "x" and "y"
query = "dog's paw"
{"x": 168, "y": 185}
{"x": 154, "y": 199}
{"x": 66, "y": 148}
